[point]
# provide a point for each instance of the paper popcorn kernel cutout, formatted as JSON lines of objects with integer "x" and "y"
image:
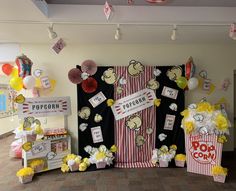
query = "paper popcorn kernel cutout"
{"x": 119, "y": 90}
{"x": 83, "y": 126}
{"x": 139, "y": 140}
{"x": 149, "y": 131}
{"x": 84, "y": 113}
{"x": 203, "y": 130}
{"x": 153, "y": 84}
{"x": 156, "y": 72}
{"x": 174, "y": 73}
{"x": 162, "y": 137}
{"x": 109, "y": 76}
{"x": 173, "y": 106}
{"x": 20, "y": 99}
{"x": 198, "y": 117}
{"x": 122, "y": 81}
{"x": 97, "y": 118}
{"x": 134, "y": 122}
{"x": 27, "y": 146}
{"x": 135, "y": 68}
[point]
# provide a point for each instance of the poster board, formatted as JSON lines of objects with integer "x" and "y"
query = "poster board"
{"x": 7, "y": 106}
{"x": 203, "y": 152}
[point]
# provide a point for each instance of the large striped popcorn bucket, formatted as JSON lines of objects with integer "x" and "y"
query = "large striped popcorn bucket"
{"x": 203, "y": 152}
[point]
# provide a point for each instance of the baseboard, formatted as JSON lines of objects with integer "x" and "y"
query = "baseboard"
{"x": 4, "y": 135}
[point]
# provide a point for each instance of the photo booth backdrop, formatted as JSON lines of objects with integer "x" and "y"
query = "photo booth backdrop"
{"x": 132, "y": 152}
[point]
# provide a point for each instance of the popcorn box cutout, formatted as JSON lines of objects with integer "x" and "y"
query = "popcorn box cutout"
{"x": 101, "y": 164}
{"x": 163, "y": 164}
{"x": 25, "y": 179}
{"x": 203, "y": 152}
{"x": 219, "y": 178}
{"x": 179, "y": 163}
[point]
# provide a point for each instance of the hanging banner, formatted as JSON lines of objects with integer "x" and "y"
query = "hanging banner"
{"x": 41, "y": 107}
{"x": 133, "y": 103}
{"x": 203, "y": 152}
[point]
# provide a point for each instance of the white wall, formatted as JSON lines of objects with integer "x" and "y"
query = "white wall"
{"x": 218, "y": 60}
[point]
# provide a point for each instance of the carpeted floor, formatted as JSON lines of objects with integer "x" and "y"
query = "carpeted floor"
{"x": 162, "y": 179}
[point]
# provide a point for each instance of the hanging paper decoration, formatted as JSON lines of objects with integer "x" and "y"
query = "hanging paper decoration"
{"x": 135, "y": 68}
{"x": 189, "y": 68}
{"x": 77, "y": 76}
{"x": 107, "y": 9}
{"x": 24, "y": 65}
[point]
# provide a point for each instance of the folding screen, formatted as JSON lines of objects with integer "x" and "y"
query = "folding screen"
{"x": 137, "y": 134}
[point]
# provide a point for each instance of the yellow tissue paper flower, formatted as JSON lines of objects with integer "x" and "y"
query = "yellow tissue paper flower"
{"x": 221, "y": 122}
{"x": 189, "y": 126}
{"x": 180, "y": 157}
{"x": 77, "y": 160}
{"x": 110, "y": 102}
{"x": 25, "y": 172}
{"x": 83, "y": 166}
{"x": 86, "y": 160}
{"x": 100, "y": 155}
{"x": 164, "y": 149}
{"x": 70, "y": 157}
{"x": 185, "y": 113}
{"x": 219, "y": 170}
{"x": 157, "y": 102}
{"x": 222, "y": 139}
{"x": 113, "y": 148}
{"x": 65, "y": 168}
{"x": 64, "y": 159}
{"x": 28, "y": 129}
{"x": 205, "y": 107}
{"x": 36, "y": 162}
{"x": 173, "y": 147}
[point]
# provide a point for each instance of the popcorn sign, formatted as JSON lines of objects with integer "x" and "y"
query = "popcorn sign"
{"x": 203, "y": 152}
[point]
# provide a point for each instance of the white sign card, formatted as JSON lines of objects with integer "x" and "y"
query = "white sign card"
{"x": 47, "y": 106}
{"x": 97, "y": 99}
{"x": 169, "y": 122}
{"x": 97, "y": 134}
{"x": 133, "y": 103}
{"x": 169, "y": 92}
{"x": 206, "y": 84}
{"x": 45, "y": 82}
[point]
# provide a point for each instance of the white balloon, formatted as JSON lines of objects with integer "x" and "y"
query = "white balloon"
{"x": 29, "y": 82}
{"x": 192, "y": 83}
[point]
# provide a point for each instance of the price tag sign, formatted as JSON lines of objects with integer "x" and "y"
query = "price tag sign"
{"x": 97, "y": 134}
{"x": 97, "y": 99}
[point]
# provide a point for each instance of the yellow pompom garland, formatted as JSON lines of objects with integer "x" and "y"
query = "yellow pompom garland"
{"x": 25, "y": 172}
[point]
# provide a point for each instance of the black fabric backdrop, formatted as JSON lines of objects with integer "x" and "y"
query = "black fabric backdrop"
{"x": 176, "y": 136}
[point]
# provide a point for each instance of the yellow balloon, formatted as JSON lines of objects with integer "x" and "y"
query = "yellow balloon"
{"x": 16, "y": 83}
{"x": 14, "y": 73}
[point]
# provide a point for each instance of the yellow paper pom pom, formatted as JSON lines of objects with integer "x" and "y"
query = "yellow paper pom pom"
{"x": 222, "y": 139}
{"x": 36, "y": 162}
{"x": 113, "y": 148}
{"x": 82, "y": 166}
{"x": 86, "y": 160}
{"x": 100, "y": 156}
{"x": 25, "y": 172}
{"x": 189, "y": 126}
{"x": 173, "y": 147}
{"x": 77, "y": 159}
{"x": 65, "y": 168}
{"x": 180, "y": 157}
{"x": 70, "y": 157}
{"x": 219, "y": 170}
{"x": 157, "y": 102}
{"x": 205, "y": 107}
{"x": 110, "y": 102}
{"x": 221, "y": 122}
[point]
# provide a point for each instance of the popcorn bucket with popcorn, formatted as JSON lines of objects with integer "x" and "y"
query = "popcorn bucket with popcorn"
{"x": 163, "y": 163}
{"x": 74, "y": 167}
{"x": 101, "y": 164}
{"x": 219, "y": 178}
{"x": 25, "y": 179}
{"x": 179, "y": 163}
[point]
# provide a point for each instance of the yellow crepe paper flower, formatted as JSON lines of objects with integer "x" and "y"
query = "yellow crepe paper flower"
{"x": 86, "y": 160}
{"x": 185, "y": 113}
{"x": 100, "y": 156}
{"x": 157, "y": 102}
{"x": 65, "y": 168}
{"x": 38, "y": 130}
{"x": 205, "y": 107}
{"x": 70, "y": 157}
{"x": 221, "y": 122}
{"x": 25, "y": 172}
{"x": 36, "y": 162}
{"x": 110, "y": 102}
{"x": 173, "y": 147}
{"x": 222, "y": 139}
{"x": 77, "y": 160}
{"x": 64, "y": 159}
{"x": 83, "y": 166}
{"x": 219, "y": 170}
{"x": 189, "y": 126}
{"x": 113, "y": 148}
{"x": 164, "y": 149}
{"x": 180, "y": 157}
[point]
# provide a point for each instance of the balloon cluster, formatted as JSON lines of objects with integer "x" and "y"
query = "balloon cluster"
{"x": 77, "y": 76}
{"x": 188, "y": 81}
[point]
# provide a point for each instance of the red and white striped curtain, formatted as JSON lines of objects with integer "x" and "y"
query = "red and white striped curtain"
{"x": 130, "y": 155}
